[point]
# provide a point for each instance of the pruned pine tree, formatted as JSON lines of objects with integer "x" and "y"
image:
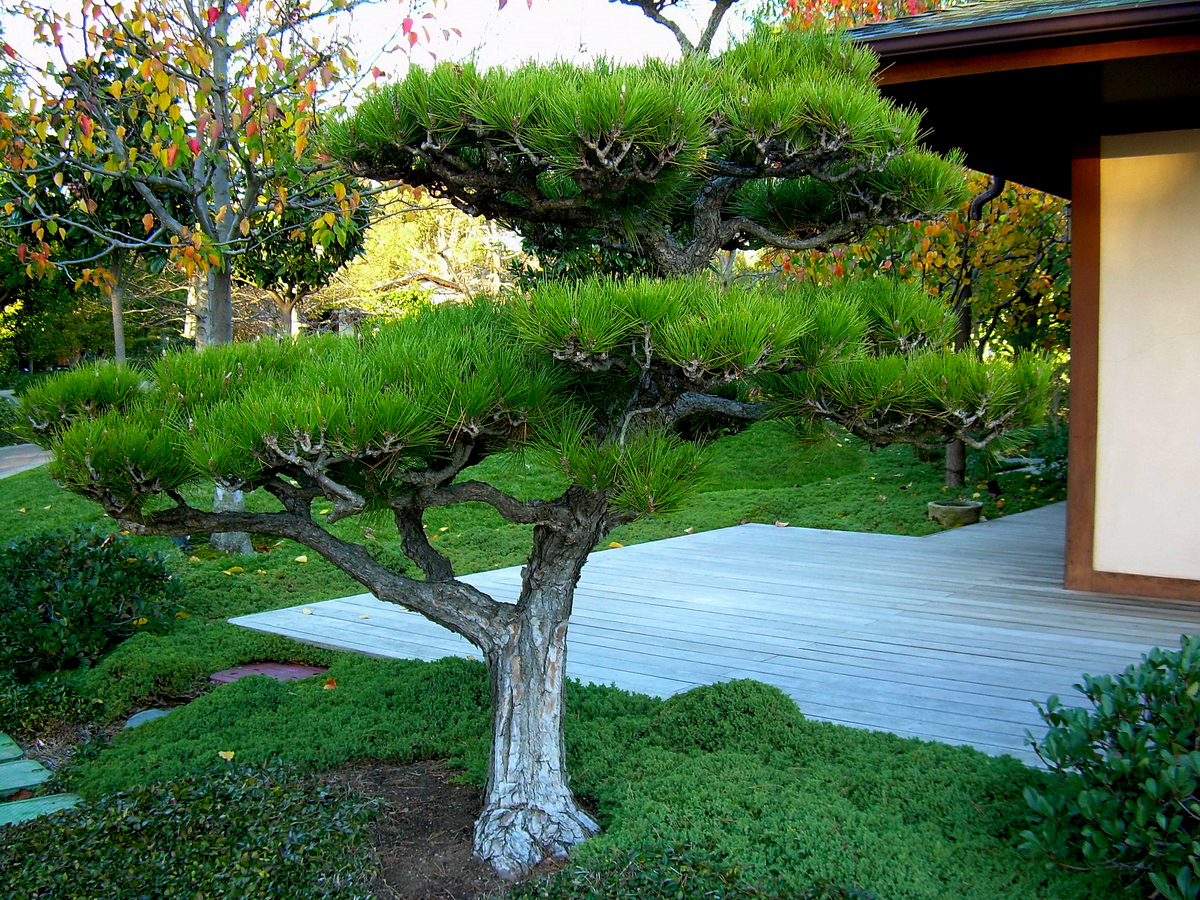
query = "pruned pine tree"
{"x": 592, "y": 378}
{"x": 781, "y": 141}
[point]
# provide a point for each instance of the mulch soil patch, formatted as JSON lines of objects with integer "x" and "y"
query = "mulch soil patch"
{"x": 424, "y": 830}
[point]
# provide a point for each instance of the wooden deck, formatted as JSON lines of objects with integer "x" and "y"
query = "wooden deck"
{"x": 947, "y": 637}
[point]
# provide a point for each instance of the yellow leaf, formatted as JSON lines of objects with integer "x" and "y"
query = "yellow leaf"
{"x": 58, "y": 178}
{"x": 307, "y": 611}
{"x": 364, "y": 617}
{"x": 226, "y": 755}
{"x": 301, "y": 559}
{"x": 260, "y": 571}
{"x": 446, "y": 528}
{"x": 193, "y": 559}
{"x": 141, "y": 621}
{"x": 115, "y": 89}
{"x": 45, "y": 507}
{"x": 616, "y": 546}
{"x": 323, "y": 511}
{"x": 233, "y": 569}
{"x": 779, "y": 524}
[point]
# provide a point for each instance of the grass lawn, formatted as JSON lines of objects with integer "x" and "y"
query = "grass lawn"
{"x": 769, "y": 801}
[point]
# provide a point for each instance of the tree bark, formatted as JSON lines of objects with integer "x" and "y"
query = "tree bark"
{"x": 529, "y": 813}
{"x": 116, "y": 296}
{"x": 196, "y": 319}
{"x": 225, "y": 500}
{"x": 220, "y": 304}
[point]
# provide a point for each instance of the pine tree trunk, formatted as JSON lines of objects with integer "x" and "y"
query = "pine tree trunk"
{"x": 116, "y": 296}
{"x": 220, "y": 305}
{"x": 196, "y": 318}
{"x": 529, "y": 813}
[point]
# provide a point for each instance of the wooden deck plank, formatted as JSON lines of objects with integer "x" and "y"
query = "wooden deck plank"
{"x": 948, "y": 637}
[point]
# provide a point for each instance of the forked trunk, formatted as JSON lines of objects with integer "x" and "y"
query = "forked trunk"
{"x": 529, "y": 813}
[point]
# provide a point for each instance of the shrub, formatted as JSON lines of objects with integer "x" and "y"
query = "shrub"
{"x": 240, "y": 834}
{"x": 743, "y": 714}
{"x": 10, "y": 424}
{"x": 41, "y": 704}
{"x": 1128, "y": 770}
{"x": 70, "y": 595}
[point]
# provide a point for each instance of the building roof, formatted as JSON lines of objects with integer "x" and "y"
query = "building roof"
{"x": 993, "y": 22}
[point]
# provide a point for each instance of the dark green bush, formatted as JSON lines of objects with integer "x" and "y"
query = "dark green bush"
{"x": 69, "y": 595}
{"x": 1128, "y": 771}
{"x": 741, "y": 714}
{"x": 39, "y": 705}
{"x": 239, "y": 835}
{"x": 663, "y": 873}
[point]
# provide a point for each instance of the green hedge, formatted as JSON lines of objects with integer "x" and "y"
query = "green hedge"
{"x": 238, "y": 835}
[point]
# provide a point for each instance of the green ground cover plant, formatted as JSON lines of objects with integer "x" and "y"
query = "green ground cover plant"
{"x": 238, "y": 833}
{"x": 778, "y": 806}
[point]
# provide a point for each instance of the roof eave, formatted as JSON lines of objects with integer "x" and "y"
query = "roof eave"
{"x": 1082, "y": 27}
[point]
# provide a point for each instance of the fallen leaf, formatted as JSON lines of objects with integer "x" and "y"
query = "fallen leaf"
{"x": 364, "y": 617}
{"x": 260, "y": 571}
{"x": 193, "y": 559}
{"x": 140, "y": 621}
{"x": 779, "y": 524}
{"x": 301, "y": 559}
{"x": 233, "y": 570}
{"x": 226, "y": 755}
{"x": 330, "y": 684}
{"x": 22, "y": 509}
{"x": 688, "y": 530}
{"x": 616, "y": 546}
{"x": 306, "y": 611}
{"x": 46, "y": 507}
{"x": 323, "y": 512}
{"x": 445, "y": 528}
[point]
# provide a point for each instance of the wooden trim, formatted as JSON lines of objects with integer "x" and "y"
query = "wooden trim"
{"x": 1141, "y": 586}
{"x": 933, "y": 69}
{"x": 1085, "y": 345}
{"x": 1085, "y": 363}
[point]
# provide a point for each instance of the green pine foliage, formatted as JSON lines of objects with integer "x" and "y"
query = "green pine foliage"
{"x": 783, "y": 136}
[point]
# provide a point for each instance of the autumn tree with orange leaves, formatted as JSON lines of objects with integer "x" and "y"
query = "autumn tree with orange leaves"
{"x": 204, "y": 111}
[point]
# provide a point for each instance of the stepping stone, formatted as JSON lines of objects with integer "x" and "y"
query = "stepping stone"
{"x": 23, "y": 810}
{"x": 278, "y": 671}
{"x": 147, "y": 715}
{"x": 9, "y": 748}
{"x": 21, "y": 773}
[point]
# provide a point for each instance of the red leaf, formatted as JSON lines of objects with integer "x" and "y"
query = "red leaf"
{"x": 377, "y": 72}
{"x": 503, "y": 3}
{"x": 412, "y": 38}
{"x": 213, "y": 15}
{"x": 241, "y": 8}
{"x": 172, "y": 152}
{"x": 406, "y": 25}
{"x": 85, "y": 124}
{"x": 10, "y": 51}
{"x": 194, "y": 145}
{"x": 23, "y": 252}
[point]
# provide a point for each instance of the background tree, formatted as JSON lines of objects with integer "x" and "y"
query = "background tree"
{"x": 776, "y": 142}
{"x": 206, "y": 107}
{"x": 290, "y": 266}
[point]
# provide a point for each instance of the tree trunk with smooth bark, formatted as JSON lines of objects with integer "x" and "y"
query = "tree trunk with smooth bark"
{"x": 116, "y": 297}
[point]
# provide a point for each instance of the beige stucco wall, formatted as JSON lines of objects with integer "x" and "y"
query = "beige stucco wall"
{"x": 1148, "y": 444}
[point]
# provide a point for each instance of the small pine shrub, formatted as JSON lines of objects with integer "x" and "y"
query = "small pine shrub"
{"x": 239, "y": 835}
{"x": 70, "y": 595}
{"x": 730, "y": 715}
{"x": 1127, "y": 792}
